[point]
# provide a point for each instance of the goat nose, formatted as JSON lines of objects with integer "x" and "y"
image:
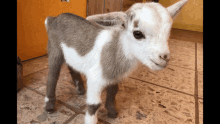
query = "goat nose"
{"x": 165, "y": 57}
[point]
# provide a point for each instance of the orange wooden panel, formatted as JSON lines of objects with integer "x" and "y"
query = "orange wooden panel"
{"x": 31, "y": 14}
{"x": 128, "y": 3}
{"x": 95, "y": 7}
{"x": 113, "y": 5}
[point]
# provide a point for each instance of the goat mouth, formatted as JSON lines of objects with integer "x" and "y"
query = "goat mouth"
{"x": 158, "y": 64}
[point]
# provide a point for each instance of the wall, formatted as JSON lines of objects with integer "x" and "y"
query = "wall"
{"x": 31, "y": 14}
{"x": 190, "y": 17}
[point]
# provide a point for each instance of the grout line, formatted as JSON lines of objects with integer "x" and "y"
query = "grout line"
{"x": 35, "y": 72}
{"x": 196, "y": 89}
{"x": 164, "y": 87}
{"x": 182, "y": 67}
{"x": 34, "y": 58}
{"x": 35, "y": 91}
{"x": 76, "y": 110}
{"x": 43, "y": 70}
{"x": 70, "y": 119}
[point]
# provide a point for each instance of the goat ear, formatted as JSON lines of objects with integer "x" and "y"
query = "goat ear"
{"x": 175, "y": 8}
{"x": 130, "y": 15}
{"x": 109, "y": 19}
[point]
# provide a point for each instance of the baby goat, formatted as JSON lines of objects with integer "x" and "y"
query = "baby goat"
{"x": 106, "y": 54}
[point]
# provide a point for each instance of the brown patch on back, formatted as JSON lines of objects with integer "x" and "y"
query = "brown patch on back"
{"x": 135, "y": 24}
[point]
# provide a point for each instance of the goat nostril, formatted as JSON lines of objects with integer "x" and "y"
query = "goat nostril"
{"x": 165, "y": 57}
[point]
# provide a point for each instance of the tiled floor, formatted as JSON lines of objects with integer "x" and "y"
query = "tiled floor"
{"x": 170, "y": 96}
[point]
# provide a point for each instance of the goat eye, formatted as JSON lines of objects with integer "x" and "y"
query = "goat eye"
{"x": 138, "y": 35}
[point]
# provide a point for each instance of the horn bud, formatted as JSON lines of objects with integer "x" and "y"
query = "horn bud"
{"x": 175, "y": 8}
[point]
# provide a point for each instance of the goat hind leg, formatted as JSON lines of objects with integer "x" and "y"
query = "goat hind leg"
{"x": 77, "y": 80}
{"x": 55, "y": 63}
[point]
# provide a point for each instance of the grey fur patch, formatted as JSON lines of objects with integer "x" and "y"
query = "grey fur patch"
{"x": 113, "y": 61}
{"x": 74, "y": 31}
{"x": 109, "y": 19}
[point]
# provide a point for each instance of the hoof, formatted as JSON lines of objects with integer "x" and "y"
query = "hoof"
{"x": 113, "y": 115}
{"x": 81, "y": 92}
{"x": 50, "y": 111}
{"x": 50, "y": 106}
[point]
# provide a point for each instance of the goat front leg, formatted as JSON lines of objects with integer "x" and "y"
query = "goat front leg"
{"x": 93, "y": 101}
{"x": 110, "y": 101}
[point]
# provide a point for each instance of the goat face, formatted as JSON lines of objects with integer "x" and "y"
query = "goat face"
{"x": 148, "y": 29}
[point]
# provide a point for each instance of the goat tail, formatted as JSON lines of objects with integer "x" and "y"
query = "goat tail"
{"x": 48, "y": 21}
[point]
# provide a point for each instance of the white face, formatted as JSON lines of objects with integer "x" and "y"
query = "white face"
{"x": 149, "y": 31}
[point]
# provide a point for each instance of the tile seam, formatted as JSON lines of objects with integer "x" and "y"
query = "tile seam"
{"x": 43, "y": 70}
{"x": 182, "y": 67}
{"x": 77, "y": 112}
{"x": 196, "y": 89}
{"x": 35, "y": 72}
{"x": 165, "y": 87}
{"x": 34, "y": 58}
{"x": 70, "y": 119}
{"x": 59, "y": 101}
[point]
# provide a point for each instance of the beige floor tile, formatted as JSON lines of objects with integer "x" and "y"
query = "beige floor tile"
{"x": 200, "y": 111}
{"x": 34, "y": 65}
{"x": 79, "y": 119}
{"x": 30, "y": 109}
{"x": 200, "y": 49}
{"x": 200, "y": 56}
{"x": 180, "y": 50}
{"x": 65, "y": 90}
{"x": 182, "y": 54}
{"x": 199, "y": 64}
{"x": 172, "y": 77}
{"x": 179, "y": 43}
{"x": 41, "y": 76}
{"x": 182, "y": 61}
{"x": 200, "y": 84}
{"x": 141, "y": 103}
{"x": 186, "y": 35}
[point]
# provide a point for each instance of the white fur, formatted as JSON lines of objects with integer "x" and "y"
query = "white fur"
{"x": 89, "y": 65}
{"x": 91, "y": 119}
{"x": 46, "y": 100}
{"x": 91, "y": 61}
{"x": 45, "y": 22}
